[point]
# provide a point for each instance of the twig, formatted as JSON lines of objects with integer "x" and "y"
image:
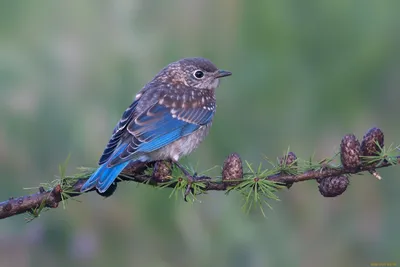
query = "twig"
{"x": 51, "y": 198}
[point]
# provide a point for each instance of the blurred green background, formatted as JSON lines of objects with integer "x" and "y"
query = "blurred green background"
{"x": 304, "y": 74}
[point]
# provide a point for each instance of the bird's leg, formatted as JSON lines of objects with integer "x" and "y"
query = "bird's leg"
{"x": 191, "y": 178}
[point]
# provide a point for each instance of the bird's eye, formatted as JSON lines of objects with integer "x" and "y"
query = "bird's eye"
{"x": 198, "y": 74}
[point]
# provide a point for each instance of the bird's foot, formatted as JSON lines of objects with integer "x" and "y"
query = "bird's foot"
{"x": 190, "y": 179}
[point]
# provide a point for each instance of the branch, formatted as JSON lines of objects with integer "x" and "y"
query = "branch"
{"x": 333, "y": 180}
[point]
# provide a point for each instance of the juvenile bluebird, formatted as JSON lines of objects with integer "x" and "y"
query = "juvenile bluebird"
{"x": 168, "y": 119}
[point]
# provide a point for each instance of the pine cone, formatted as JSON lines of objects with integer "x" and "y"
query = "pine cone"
{"x": 333, "y": 186}
{"x": 162, "y": 171}
{"x": 368, "y": 144}
{"x": 288, "y": 159}
{"x": 350, "y": 152}
{"x": 136, "y": 167}
{"x": 232, "y": 169}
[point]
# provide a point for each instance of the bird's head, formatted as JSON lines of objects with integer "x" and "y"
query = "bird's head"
{"x": 196, "y": 73}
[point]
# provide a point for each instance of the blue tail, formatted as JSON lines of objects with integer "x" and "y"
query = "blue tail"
{"x": 104, "y": 176}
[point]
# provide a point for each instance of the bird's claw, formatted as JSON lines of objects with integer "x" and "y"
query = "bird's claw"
{"x": 189, "y": 189}
{"x": 190, "y": 181}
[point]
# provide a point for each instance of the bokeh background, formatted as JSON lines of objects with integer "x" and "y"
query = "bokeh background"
{"x": 304, "y": 74}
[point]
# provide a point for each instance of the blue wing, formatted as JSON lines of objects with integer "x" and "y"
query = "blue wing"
{"x": 159, "y": 126}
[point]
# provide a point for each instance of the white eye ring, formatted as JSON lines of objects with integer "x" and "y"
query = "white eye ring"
{"x": 198, "y": 74}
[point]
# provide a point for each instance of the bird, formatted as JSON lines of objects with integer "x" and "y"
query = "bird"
{"x": 169, "y": 118}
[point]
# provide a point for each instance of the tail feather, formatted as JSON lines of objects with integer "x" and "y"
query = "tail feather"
{"x": 104, "y": 176}
{"x": 108, "y": 176}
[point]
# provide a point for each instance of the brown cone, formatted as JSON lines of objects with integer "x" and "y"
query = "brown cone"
{"x": 350, "y": 152}
{"x": 232, "y": 169}
{"x": 333, "y": 186}
{"x": 162, "y": 171}
{"x": 368, "y": 144}
{"x": 288, "y": 159}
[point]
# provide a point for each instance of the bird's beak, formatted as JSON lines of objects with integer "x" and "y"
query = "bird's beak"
{"x": 222, "y": 73}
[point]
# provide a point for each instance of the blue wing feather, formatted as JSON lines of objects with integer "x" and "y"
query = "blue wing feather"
{"x": 168, "y": 138}
{"x": 165, "y": 128}
{"x": 117, "y": 133}
{"x": 158, "y": 127}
